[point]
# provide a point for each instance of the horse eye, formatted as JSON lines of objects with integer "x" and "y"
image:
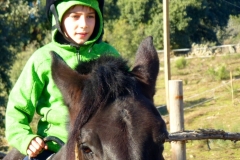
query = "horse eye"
{"x": 86, "y": 149}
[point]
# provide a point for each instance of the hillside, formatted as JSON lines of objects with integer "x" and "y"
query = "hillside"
{"x": 208, "y": 101}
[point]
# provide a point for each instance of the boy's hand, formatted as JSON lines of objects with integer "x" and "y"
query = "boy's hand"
{"x": 36, "y": 146}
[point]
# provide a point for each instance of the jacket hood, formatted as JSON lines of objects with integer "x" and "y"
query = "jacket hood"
{"x": 64, "y": 5}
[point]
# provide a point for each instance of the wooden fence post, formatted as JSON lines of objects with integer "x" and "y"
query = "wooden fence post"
{"x": 176, "y": 118}
{"x": 166, "y": 35}
{"x": 231, "y": 77}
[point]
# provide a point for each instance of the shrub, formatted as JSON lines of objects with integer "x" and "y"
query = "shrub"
{"x": 219, "y": 73}
{"x": 181, "y": 63}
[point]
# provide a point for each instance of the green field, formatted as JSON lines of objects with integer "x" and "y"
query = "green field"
{"x": 211, "y": 101}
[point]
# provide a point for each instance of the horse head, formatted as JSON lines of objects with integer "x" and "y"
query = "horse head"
{"x": 111, "y": 110}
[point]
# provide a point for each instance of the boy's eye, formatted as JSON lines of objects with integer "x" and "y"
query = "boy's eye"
{"x": 91, "y": 16}
{"x": 74, "y": 16}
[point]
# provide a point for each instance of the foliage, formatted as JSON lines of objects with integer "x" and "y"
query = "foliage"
{"x": 238, "y": 70}
{"x": 194, "y": 21}
{"x": 181, "y": 63}
{"x": 13, "y": 19}
{"x": 219, "y": 73}
{"x": 179, "y": 21}
{"x": 131, "y": 23}
{"x": 20, "y": 25}
{"x": 231, "y": 34}
{"x": 199, "y": 21}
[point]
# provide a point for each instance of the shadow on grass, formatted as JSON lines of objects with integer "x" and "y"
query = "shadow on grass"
{"x": 197, "y": 102}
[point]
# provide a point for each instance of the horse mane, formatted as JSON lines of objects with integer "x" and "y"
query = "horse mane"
{"x": 109, "y": 78}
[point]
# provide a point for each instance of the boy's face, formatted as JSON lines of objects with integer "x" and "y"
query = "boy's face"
{"x": 78, "y": 23}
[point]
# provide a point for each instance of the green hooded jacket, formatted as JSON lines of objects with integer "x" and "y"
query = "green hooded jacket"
{"x": 35, "y": 91}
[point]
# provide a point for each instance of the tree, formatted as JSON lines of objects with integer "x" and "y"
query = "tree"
{"x": 194, "y": 21}
{"x": 9, "y": 41}
{"x": 199, "y": 21}
{"x": 18, "y": 22}
{"x": 132, "y": 23}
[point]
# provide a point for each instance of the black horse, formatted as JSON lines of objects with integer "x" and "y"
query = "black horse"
{"x": 111, "y": 110}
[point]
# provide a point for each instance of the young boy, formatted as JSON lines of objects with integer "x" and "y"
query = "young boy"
{"x": 76, "y": 37}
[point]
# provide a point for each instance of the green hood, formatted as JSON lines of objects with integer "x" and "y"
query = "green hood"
{"x": 64, "y": 5}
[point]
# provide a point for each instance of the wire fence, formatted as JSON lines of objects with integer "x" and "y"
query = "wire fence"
{"x": 214, "y": 94}
{"x": 205, "y": 50}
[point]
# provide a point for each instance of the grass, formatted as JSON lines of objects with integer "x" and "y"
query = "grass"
{"x": 208, "y": 104}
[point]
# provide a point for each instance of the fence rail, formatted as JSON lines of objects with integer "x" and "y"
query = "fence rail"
{"x": 200, "y": 48}
{"x": 201, "y": 134}
{"x": 205, "y": 50}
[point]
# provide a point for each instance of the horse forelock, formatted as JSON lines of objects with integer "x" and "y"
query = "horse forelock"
{"x": 109, "y": 77}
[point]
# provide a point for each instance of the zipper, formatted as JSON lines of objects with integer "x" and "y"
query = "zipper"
{"x": 78, "y": 54}
{"x": 90, "y": 49}
{"x": 77, "y": 51}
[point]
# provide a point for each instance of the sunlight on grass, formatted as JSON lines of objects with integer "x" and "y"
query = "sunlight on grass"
{"x": 221, "y": 112}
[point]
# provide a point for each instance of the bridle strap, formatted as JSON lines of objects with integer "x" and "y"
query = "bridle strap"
{"x": 76, "y": 151}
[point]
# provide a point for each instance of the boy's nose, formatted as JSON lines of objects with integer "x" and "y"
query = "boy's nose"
{"x": 82, "y": 22}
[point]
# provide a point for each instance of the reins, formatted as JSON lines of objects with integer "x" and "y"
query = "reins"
{"x": 54, "y": 139}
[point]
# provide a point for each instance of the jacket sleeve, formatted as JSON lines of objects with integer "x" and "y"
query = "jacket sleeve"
{"x": 22, "y": 105}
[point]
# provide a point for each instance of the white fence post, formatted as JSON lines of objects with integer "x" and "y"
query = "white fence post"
{"x": 176, "y": 118}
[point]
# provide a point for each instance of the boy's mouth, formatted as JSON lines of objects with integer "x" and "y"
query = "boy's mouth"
{"x": 82, "y": 35}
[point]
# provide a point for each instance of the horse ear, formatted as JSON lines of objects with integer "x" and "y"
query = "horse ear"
{"x": 69, "y": 81}
{"x": 146, "y": 66}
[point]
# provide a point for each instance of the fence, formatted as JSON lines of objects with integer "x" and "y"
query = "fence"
{"x": 211, "y": 94}
{"x": 205, "y": 50}
{"x": 177, "y": 132}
